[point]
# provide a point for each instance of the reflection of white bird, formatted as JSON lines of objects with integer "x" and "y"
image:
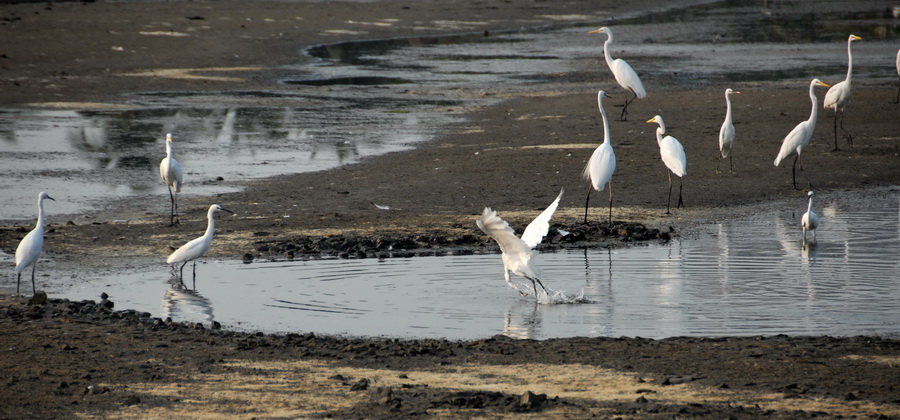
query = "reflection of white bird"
{"x": 518, "y": 252}
{"x": 898, "y": 78}
{"x": 170, "y": 171}
{"x": 672, "y": 154}
{"x": 197, "y": 247}
{"x": 798, "y": 138}
{"x": 810, "y": 220}
{"x": 30, "y": 247}
{"x": 624, "y": 74}
{"x": 837, "y": 97}
{"x": 602, "y": 164}
{"x": 726, "y": 133}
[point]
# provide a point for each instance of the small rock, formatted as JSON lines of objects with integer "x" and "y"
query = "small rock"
{"x": 39, "y": 298}
{"x": 362, "y": 385}
{"x": 131, "y": 400}
{"x": 532, "y": 400}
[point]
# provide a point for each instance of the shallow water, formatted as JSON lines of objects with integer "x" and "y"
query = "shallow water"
{"x": 744, "y": 277}
{"x": 357, "y": 99}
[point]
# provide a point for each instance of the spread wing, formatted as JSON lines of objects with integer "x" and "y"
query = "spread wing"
{"x": 538, "y": 227}
{"x": 497, "y": 228}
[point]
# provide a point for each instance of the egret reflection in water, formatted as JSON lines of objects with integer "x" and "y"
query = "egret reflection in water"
{"x": 183, "y": 304}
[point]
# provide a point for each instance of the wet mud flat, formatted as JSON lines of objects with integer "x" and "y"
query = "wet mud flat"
{"x": 99, "y": 362}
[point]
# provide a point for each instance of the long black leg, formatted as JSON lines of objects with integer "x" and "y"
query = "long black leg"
{"x": 680, "y": 187}
{"x": 669, "y": 203}
{"x": 624, "y": 116}
{"x": 849, "y": 137}
{"x": 590, "y": 187}
{"x": 33, "y": 289}
{"x": 181, "y": 271}
{"x": 794, "y": 172}
{"x": 898, "y": 91}
{"x": 609, "y": 223}
{"x": 835, "y": 131}
{"x": 17, "y": 283}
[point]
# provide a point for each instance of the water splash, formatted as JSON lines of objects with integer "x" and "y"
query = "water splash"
{"x": 560, "y": 297}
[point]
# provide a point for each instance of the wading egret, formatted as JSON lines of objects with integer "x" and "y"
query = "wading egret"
{"x": 810, "y": 220}
{"x": 518, "y": 252}
{"x": 898, "y": 78}
{"x": 197, "y": 247}
{"x": 30, "y": 248}
{"x": 602, "y": 164}
{"x": 839, "y": 95}
{"x": 798, "y": 138}
{"x": 170, "y": 171}
{"x": 726, "y": 133}
{"x": 624, "y": 74}
{"x": 672, "y": 154}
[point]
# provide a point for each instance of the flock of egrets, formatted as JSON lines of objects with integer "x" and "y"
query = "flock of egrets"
{"x": 517, "y": 252}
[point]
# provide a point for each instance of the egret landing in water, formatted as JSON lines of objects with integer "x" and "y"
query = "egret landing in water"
{"x": 30, "y": 247}
{"x": 672, "y": 154}
{"x": 839, "y": 95}
{"x": 197, "y": 247}
{"x": 518, "y": 253}
{"x": 622, "y": 71}
{"x": 810, "y": 220}
{"x": 798, "y": 138}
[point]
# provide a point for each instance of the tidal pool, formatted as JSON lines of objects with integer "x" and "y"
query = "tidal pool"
{"x": 743, "y": 277}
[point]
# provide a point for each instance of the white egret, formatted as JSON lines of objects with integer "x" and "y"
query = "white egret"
{"x": 810, "y": 220}
{"x": 726, "y": 133}
{"x": 602, "y": 164}
{"x": 672, "y": 154}
{"x": 798, "y": 138}
{"x": 518, "y": 252}
{"x": 170, "y": 171}
{"x": 624, "y": 74}
{"x": 197, "y": 247}
{"x": 898, "y": 78}
{"x": 30, "y": 247}
{"x": 839, "y": 95}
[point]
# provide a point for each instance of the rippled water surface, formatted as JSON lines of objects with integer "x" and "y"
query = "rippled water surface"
{"x": 744, "y": 277}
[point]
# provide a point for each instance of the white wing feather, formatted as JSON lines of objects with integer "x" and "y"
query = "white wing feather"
{"x": 538, "y": 227}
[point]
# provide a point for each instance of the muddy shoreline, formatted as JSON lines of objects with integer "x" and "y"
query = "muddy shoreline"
{"x": 68, "y": 359}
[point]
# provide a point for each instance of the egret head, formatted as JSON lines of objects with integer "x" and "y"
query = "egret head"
{"x": 853, "y": 38}
{"x": 216, "y": 208}
{"x": 810, "y": 194}
{"x": 44, "y": 195}
{"x": 729, "y": 91}
{"x": 169, "y": 137}
{"x": 819, "y": 82}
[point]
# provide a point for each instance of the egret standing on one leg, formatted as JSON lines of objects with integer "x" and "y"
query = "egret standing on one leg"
{"x": 30, "y": 248}
{"x": 170, "y": 170}
{"x": 726, "y": 133}
{"x": 624, "y": 74}
{"x": 197, "y": 247}
{"x": 672, "y": 154}
{"x": 810, "y": 220}
{"x": 837, "y": 97}
{"x": 518, "y": 252}
{"x": 602, "y": 164}
{"x": 798, "y": 138}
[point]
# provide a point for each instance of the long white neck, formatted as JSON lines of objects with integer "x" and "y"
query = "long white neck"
{"x": 727, "y": 107}
{"x": 40, "y": 220}
{"x": 812, "y": 97}
{"x": 211, "y": 224}
{"x": 849, "y": 60}
{"x": 609, "y": 60}
{"x": 809, "y": 207}
{"x": 169, "y": 152}
{"x": 605, "y": 122}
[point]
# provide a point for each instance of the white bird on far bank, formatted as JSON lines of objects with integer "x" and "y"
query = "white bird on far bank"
{"x": 726, "y": 133}
{"x": 810, "y": 220}
{"x": 602, "y": 164}
{"x": 898, "y": 77}
{"x": 170, "y": 171}
{"x": 30, "y": 247}
{"x": 622, "y": 71}
{"x": 838, "y": 95}
{"x": 518, "y": 253}
{"x": 672, "y": 153}
{"x": 798, "y": 138}
{"x": 197, "y": 247}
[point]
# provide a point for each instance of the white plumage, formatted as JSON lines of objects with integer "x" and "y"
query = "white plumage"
{"x": 197, "y": 248}
{"x": 798, "y": 138}
{"x": 602, "y": 164}
{"x": 518, "y": 253}
{"x": 622, "y": 71}
{"x": 170, "y": 171}
{"x": 726, "y": 133}
{"x": 810, "y": 220}
{"x": 838, "y": 95}
{"x": 30, "y": 247}
{"x": 672, "y": 153}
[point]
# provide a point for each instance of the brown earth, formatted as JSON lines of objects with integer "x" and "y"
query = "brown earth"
{"x": 64, "y": 359}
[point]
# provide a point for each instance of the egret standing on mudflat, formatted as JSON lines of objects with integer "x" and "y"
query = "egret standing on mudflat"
{"x": 672, "y": 154}
{"x": 197, "y": 247}
{"x": 624, "y": 74}
{"x": 170, "y": 171}
{"x": 810, "y": 220}
{"x": 602, "y": 164}
{"x": 30, "y": 247}
{"x": 726, "y": 133}
{"x": 898, "y": 78}
{"x": 798, "y": 138}
{"x": 839, "y": 95}
{"x": 518, "y": 252}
